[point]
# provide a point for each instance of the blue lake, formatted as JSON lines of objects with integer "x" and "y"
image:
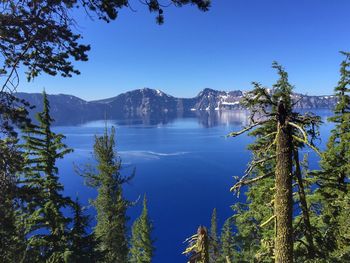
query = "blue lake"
{"x": 185, "y": 166}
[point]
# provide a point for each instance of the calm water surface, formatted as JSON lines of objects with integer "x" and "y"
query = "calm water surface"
{"x": 184, "y": 166}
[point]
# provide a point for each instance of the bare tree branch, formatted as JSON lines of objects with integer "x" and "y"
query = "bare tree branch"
{"x": 234, "y": 134}
{"x": 307, "y": 143}
{"x": 241, "y": 183}
{"x": 268, "y": 221}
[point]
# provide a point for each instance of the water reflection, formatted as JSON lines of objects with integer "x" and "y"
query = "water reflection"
{"x": 205, "y": 119}
{"x": 209, "y": 119}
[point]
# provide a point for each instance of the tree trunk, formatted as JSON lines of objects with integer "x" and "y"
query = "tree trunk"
{"x": 283, "y": 197}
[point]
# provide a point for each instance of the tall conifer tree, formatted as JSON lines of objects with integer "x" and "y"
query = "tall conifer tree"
{"x": 227, "y": 242}
{"x": 253, "y": 241}
{"x": 213, "y": 238}
{"x": 278, "y": 130}
{"x": 333, "y": 178}
{"x": 11, "y": 236}
{"x": 81, "y": 243}
{"x": 142, "y": 248}
{"x": 110, "y": 204}
{"x": 45, "y": 224}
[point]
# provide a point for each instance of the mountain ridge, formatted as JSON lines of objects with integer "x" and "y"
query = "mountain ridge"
{"x": 156, "y": 103}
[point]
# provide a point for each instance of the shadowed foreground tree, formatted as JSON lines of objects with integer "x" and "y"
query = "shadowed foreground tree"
{"x": 82, "y": 245}
{"x": 46, "y": 227}
{"x": 10, "y": 240}
{"x": 284, "y": 129}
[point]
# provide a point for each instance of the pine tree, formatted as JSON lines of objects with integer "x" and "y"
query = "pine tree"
{"x": 213, "y": 238}
{"x": 278, "y": 130}
{"x": 283, "y": 198}
{"x": 81, "y": 243}
{"x": 333, "y": 178}
{"x": 110, "y": 204}
{"x": 12, "y": 239}
{"x": 44, "y": 222}
{"x": 227, "y": 242}
{"x": 254, "y": 239}
{"x": 305, "y": 228}
{"x": 142, "y": 248}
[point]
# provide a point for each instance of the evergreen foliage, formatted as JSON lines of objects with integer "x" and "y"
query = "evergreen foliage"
{"x": 42, "y": 204}
{"x": 213, "y": 238}
{"x": 142, "y": 248}
{"x": 40, "y": 37}
{"x": 279, "y": 133}
{"x": 81, "y": 243}
{"x": 11, "y": 239}
{"x": 253, "y": 242}
{"x": 227, "y": 242}
{"x": 333, "y": 178}
{"x": 110, "y": 204}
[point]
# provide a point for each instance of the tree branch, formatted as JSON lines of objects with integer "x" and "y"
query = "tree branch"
{"x": 234, "y": 134}
{"x": 299, "y": 128}
{"x": 14, "y": 70}
{"x": 307, "y": 143}
{"x": 268, "y": 221}
{"x": 241, "y": 183}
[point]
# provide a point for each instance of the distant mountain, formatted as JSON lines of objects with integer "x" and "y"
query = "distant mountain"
{"x": 140, "y": 102}
{"x": 68, "y": 109}
{"x": 65, "y": 109}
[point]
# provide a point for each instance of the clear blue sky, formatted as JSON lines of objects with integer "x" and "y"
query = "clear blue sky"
{"x": 226, "y": 48}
